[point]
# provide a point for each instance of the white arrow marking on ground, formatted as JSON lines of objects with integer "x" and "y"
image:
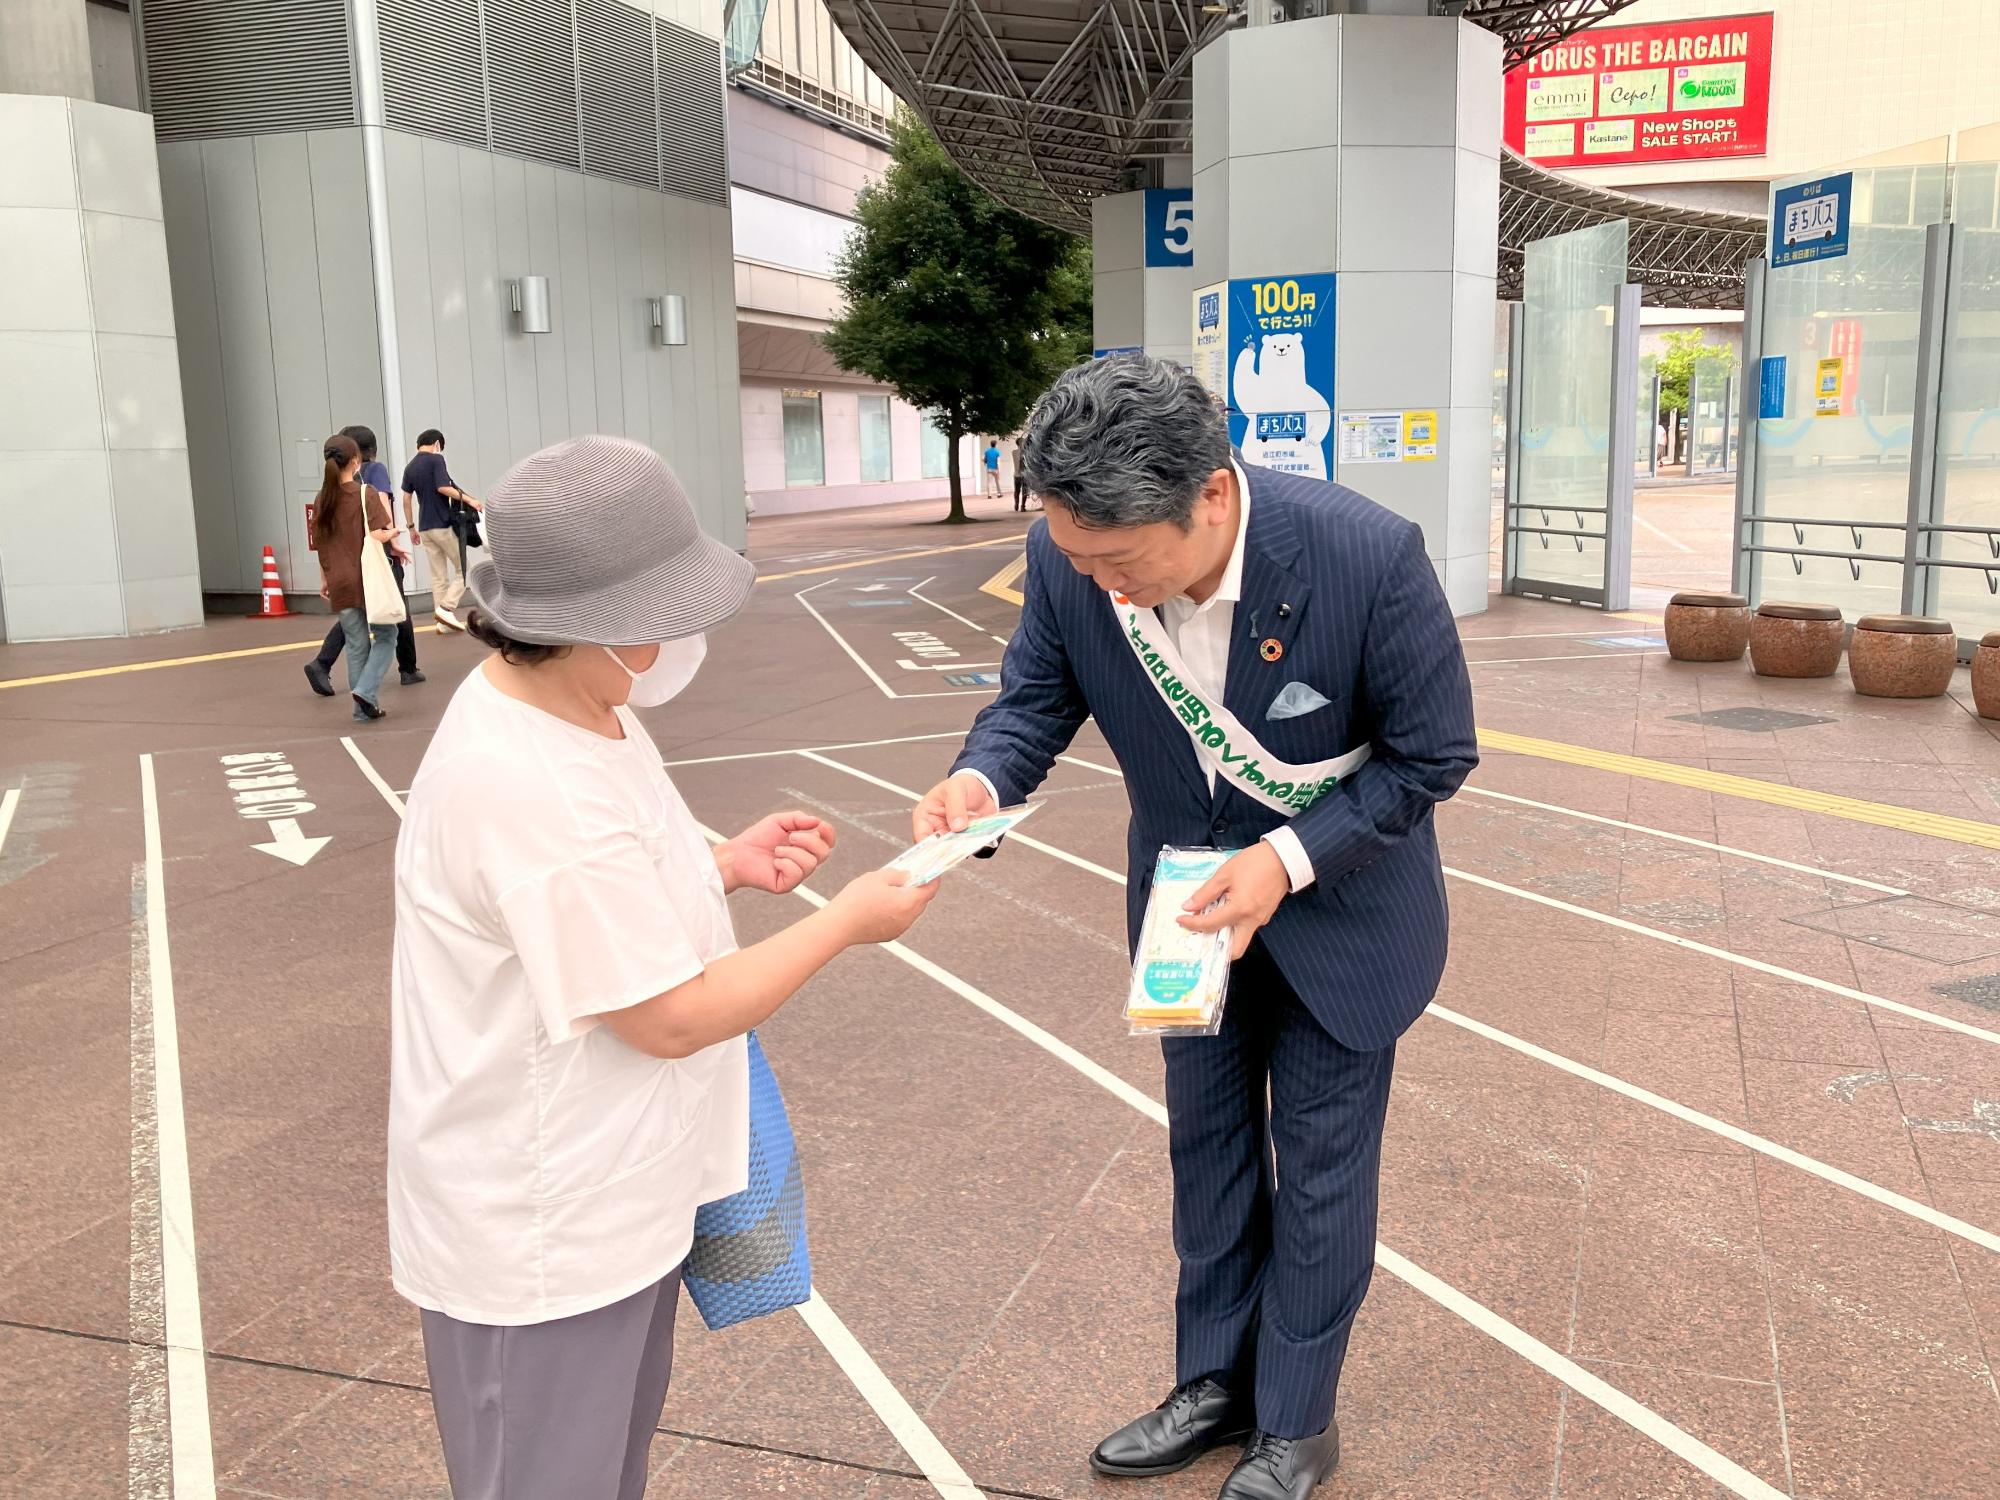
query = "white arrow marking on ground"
{"x": 951, "y": 666}
{"x": 290, "y": 844}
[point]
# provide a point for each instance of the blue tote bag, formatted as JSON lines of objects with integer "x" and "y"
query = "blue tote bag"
{"x": 749, "y": 1256}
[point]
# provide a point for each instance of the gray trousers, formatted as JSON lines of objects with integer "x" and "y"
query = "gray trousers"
{"x": 553, "y": 1411}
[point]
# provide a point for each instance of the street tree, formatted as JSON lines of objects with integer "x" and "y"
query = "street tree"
{"x": 966, "y": 308}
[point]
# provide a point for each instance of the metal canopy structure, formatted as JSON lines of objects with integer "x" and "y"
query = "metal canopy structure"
{"x": 1682, "y": 257}
{"x": 1049, "y": 104}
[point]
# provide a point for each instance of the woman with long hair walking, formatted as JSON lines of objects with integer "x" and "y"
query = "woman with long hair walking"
{"x": 348, "y": 516}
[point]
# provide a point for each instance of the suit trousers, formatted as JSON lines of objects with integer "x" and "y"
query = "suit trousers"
{"x": 1274, "y": 1258}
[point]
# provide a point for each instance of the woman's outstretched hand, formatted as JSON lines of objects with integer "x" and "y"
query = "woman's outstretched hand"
{"x": 776, "y": 854}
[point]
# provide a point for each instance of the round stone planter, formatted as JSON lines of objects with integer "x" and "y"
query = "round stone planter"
{"x": 1986, "y": 677}
{"x": 1795, "y": 640}
{"x": 1901, "y": 656}
{"x": 1707, "y": 627}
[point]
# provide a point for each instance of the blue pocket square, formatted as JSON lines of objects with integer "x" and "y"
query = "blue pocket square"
{"x": 1297, "y": 699}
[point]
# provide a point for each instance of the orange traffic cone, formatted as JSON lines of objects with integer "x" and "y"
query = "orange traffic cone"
{"x": 273, "y": 605}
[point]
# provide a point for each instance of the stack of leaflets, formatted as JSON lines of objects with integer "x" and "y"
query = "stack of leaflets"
{"x": 1179, "y": 978}
{"x": 926, "y": 861}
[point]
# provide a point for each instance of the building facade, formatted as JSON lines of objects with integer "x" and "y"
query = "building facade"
{"x": 506, "y": 219}
{"x": 809, "y": 128}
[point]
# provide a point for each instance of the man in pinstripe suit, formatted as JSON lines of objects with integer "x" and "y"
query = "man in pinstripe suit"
{"x": 1276, "y": 668}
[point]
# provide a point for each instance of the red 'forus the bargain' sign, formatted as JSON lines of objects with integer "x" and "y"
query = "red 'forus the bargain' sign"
{"x": 1672, "y": 91}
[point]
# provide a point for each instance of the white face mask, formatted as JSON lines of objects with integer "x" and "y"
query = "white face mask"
{"x": 672, "y": 670}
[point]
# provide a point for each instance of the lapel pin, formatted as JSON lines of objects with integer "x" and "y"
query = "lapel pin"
{"x": 1272, "y": 649}
{"x": 1284, "y": 611}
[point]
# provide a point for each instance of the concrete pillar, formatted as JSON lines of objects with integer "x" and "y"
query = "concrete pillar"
{"x": 1347, "y": 171}
{"x": 1143, "y": 253}
{"x": 96, "y": 507}
{"x": 45, "y": 48}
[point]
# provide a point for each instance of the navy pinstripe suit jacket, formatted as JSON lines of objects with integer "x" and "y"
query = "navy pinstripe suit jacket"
{"x": 1369, "y": 628}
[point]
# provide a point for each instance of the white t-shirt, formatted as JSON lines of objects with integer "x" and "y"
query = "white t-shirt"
{"x": 538, "y": 1166}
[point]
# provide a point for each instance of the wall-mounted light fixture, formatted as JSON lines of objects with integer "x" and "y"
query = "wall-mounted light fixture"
{"x": 670, "y": 319}
{"x": 531, "y": 303}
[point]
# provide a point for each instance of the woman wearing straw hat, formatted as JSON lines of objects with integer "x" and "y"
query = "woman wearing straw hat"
{"x": 568, "y": 1066}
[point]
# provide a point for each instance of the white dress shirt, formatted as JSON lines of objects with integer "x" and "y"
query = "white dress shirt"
{"x": 1201, "y": 632}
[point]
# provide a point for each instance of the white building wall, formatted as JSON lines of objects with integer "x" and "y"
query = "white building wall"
{"x": 96, "y": 507}
{"x": 273, "y": 285}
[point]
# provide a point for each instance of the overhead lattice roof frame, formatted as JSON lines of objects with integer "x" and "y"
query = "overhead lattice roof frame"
{"x": 1048, "y": 104}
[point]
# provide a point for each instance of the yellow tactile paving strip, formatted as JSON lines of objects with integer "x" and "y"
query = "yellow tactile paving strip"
{"x": 1002, "y": 584}
{"x": 1801, "y": 799}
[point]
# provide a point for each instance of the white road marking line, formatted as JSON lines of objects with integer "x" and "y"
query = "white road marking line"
{"x": 855, "y": 656}
{"x": 1658, "y": 833}
{"x": 193, "y": 1453}
{"x": 1671, "y": 540}
{"x": 1791, "y": 976}
{"x": 1682, "y": 838}
{"x": 895, "y": 1413}
{"x": 1641, "y": 1418}
{"x": 148, "y": 1448}
{"x": 1542, "y": 635}
{"x": 7, "y": 805}
{"x": 1614, "y": 654}
{"x": 889, "y": 786}
{"x": 1922, "y": 1212}
{"x": 840, "y": 640}
{"x": 970, "y": 624}
{"x": 368, "y": 770}
{"x": 950, "y": 666}
{"x": 1091, "y": 765}
{"x": 907, "y": 739}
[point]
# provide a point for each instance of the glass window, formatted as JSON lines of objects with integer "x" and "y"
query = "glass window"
{"x": 805, "y": 452}
{"x": 876, "y": 461}
{"x": 937, "y": 450}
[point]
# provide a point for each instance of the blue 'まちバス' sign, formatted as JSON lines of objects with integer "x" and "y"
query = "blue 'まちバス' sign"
{"x": 1809, "y": 220}
{"x": 1169, "y": 227}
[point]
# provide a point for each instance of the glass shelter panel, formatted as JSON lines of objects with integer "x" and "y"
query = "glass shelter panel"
{"x": 1833, "y": 468}
{"x": 1968, "y": 451}
{"x": 1556, "y": 524}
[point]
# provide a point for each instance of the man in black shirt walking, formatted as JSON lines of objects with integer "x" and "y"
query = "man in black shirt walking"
{"x": 429, "y": 498}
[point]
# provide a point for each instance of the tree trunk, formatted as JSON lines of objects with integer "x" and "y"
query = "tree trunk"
{"x": 957, "y": 483}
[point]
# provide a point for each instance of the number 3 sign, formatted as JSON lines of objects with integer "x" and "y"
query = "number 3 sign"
{"x": 1169, "y": 227}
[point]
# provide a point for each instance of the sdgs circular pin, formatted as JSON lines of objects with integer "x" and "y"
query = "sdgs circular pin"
{"x": 1272, "y": 649}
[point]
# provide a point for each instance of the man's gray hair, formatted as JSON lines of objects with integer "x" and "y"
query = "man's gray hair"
{"x": 1125, "y": 441}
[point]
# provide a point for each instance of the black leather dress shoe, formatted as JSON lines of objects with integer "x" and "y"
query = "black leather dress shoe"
{"x": 1276, "y": 1468}
{"x": 1198, "y": 1416}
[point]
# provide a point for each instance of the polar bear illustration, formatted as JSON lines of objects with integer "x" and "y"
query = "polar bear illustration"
{"x": 1270, "y": 383}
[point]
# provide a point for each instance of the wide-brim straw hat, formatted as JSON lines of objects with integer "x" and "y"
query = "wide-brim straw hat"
{"x": 594, "y": 541}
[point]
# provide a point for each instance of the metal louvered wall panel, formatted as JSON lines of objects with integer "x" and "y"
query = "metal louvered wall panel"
{"x": 246, "y": 67}
{"x": 433, "y": 68}
{"x": 694, "y": 155}
{"x": 531, "y": 80}
{"x": 614, "y": 48}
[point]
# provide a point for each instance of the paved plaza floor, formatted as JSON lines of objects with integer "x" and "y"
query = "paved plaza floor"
{"x": 1692, "y": 1174}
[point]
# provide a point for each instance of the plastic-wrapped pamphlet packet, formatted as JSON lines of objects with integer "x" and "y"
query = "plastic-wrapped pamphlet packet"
{"x": 940, "y": 852}
{"x": 1179, "y": 978}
